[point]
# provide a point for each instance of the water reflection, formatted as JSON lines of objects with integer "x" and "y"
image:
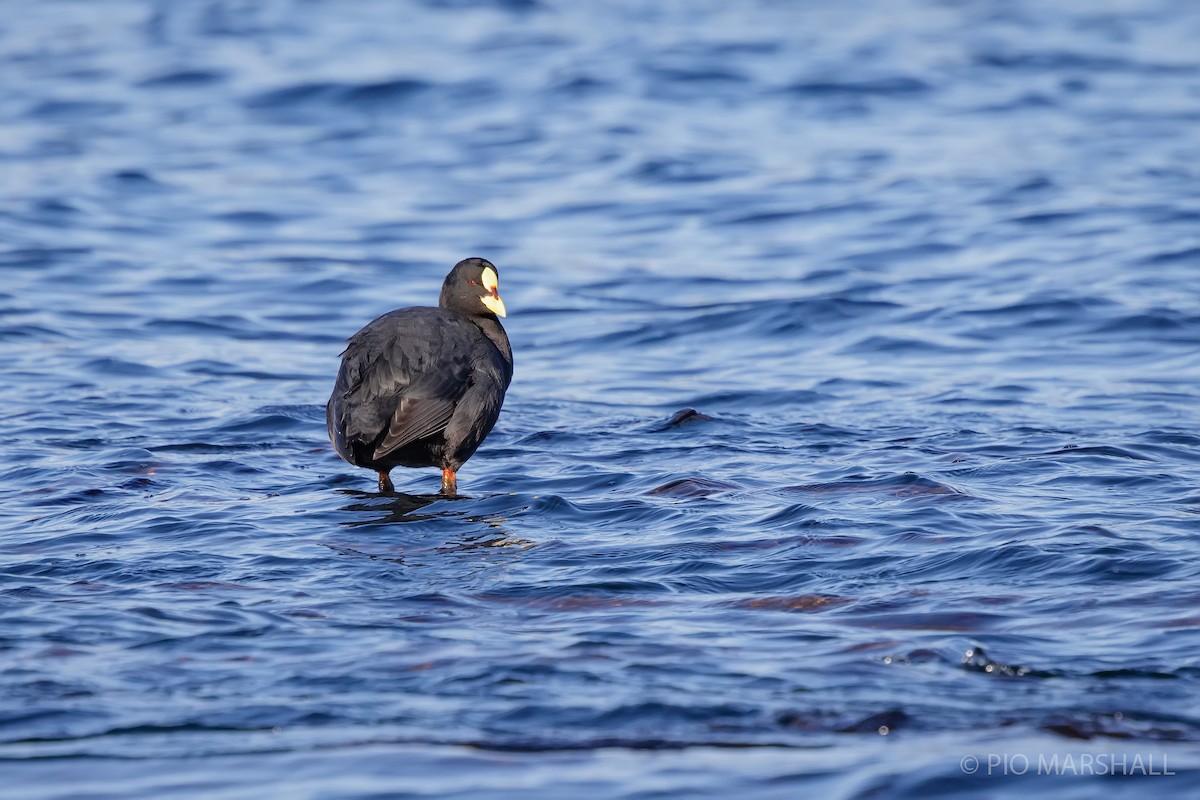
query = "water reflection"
{"x": 394, "y": 507}
{"x": 400, "y": 508}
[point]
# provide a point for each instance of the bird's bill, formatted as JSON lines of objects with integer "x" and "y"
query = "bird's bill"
{"x": 494, "y": 304}
{"x": 492, "y": 301}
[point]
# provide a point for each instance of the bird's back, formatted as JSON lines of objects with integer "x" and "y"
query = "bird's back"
{"x": 401, "y": 378}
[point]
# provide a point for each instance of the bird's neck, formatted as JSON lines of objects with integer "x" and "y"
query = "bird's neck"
{"x": 494, "y": 331}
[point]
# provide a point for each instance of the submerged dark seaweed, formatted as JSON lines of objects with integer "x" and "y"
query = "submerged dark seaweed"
{"x": 854, "y": 433}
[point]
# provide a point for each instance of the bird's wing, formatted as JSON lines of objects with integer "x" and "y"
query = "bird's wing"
{"x": 415, "y": 418}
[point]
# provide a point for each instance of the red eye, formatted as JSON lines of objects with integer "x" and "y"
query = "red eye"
{"x": 472, "y": 283}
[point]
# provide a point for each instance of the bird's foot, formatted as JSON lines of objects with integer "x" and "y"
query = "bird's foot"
{"x": 385, "y": 484}
{"x": 449, "y": 482}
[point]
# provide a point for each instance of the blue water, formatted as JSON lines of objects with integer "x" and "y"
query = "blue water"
{"x": 926, "y": 273}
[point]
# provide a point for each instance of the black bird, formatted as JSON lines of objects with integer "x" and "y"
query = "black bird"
{"x": 422, "y": 387}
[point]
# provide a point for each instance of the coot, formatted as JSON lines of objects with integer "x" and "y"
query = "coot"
{"x": 422, "y": 387}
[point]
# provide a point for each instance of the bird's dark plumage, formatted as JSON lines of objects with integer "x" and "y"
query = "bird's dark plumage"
{"x": 422, "y": 387}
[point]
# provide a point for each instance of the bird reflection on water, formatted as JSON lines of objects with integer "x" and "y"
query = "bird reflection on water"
{"x": 397, "y": 508}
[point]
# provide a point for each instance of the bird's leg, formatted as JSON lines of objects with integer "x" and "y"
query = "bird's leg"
{"x": 449, "y": 482}
{"x": 385, "y": 483}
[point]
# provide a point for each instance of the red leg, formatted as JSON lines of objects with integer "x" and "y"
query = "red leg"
{"x": 385, "y": 483}
{"x": 449, "y": 482}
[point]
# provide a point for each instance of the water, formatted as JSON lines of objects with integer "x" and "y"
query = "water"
{"x": 926, "y": 272}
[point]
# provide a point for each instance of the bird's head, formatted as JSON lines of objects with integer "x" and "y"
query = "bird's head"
{"x": 473, "y": 288}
